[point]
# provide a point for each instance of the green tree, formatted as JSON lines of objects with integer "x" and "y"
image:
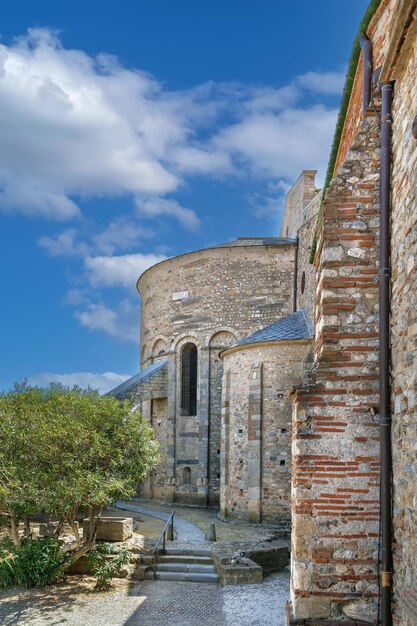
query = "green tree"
{"x": 69, "y": 450}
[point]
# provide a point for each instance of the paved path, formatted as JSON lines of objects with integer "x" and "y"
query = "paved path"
{"x": 159, "y": 603}
{"x": 185, "y": 530}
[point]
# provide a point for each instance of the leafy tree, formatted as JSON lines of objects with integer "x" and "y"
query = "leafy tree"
{"x": 64, "y": 451}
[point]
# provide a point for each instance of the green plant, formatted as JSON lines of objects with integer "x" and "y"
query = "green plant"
{"x": 69, "y": 450}
{"x": 36, "y": 563}
{"x": 106, "y": 562}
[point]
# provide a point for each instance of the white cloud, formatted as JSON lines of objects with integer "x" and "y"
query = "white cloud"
{"x": 153, "y": 207}
{"x": 119, "y": 271}
{"x": 102, "y": 382}
{"x": 63, "y": 244}
{"x": 274, "y": 146}
{"x": 122, "y": 322}
{"x": 73, "y": 126}
{"x": 121, "y": 233}
{"x": 329, "y": 83}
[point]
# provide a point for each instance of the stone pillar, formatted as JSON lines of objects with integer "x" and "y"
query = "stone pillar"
{"x": 146, "y": 410}
{"x": 203, "y": 421}
{"x": 254, "y": 446}
{"x": 224, "y": 446}
{"x": 171, "y": 424}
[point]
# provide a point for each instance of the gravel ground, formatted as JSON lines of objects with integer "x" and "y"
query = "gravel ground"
{"x": 159, "y": 603}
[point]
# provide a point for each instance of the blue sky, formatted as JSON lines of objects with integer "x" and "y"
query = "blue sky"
{"x": 134, "y": 131}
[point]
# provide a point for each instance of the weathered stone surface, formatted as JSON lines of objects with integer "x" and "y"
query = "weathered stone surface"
{"x": 112, "y": 528}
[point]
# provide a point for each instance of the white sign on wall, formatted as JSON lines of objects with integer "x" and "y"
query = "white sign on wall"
{"x": 179, "y": 295}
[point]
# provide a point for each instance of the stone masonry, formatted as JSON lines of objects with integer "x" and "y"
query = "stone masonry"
{"x": 335, "y": 433}
{"x": 256, "y": 430}
{"x": 209, "y": 298}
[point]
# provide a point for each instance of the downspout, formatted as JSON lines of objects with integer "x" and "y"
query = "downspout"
{"x": 384, "y": 355}
{"x": 366, "y": 46}
{"x": 295, "y": 285}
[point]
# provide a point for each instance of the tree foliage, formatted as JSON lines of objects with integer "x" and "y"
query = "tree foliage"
{"x": 69, "y": 450}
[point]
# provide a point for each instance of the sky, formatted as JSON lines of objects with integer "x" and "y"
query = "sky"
{"x": 138, "y": 130}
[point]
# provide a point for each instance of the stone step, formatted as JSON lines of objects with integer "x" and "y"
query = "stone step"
{"x": 178, "y": 558}
{"x": 185, "y": 568}
{"x": 186, "y": 551}
{"x": 183, "y": 577}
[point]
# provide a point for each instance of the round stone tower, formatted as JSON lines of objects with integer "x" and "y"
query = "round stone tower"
{"x": 193, "y": 307}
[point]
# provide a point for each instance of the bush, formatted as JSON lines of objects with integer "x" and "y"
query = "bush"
{"x": 36, "y": 563}
{"x": 106, "y": 562}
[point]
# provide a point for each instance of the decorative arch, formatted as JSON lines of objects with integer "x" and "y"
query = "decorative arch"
{"x": 144, "y": 354}
{"x": 189, "y": 370}
{"x": 186, "y": 476}
{"x": 159, "y": 347}
{"x": 183, "y": 338}
{"x": 223, "y": 338}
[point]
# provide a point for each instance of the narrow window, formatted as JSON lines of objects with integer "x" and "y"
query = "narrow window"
{"x": 189, "y": 379}
{"x": 303, "y": 282}
{"x": 186, "y": 476}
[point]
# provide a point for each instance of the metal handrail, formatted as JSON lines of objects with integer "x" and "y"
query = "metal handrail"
{"x": 169, "y": 526}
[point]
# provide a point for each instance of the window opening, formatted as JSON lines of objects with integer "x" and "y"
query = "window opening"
{"x": 189, "y": 379}
{"x": 186, "y": 476}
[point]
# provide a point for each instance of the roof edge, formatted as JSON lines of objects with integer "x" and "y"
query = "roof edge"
{"x": 344, "y": 104}
{"x": 284, "y": 241}
{"x": 262, "y": 344}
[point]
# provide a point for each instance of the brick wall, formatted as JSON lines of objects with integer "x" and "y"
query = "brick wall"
{"x": 335, "y": 497}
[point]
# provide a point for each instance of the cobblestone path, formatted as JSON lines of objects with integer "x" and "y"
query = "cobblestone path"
{"x": 159, "y": 603}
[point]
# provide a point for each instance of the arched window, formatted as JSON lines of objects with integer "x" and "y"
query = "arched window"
{"x": 186, "y": 476}
{"x": 189, "y": 379}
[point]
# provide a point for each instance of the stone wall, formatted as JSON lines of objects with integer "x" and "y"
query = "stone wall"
{"x": 256, "y": 437}
{"x": 306, "y": 280}
{"x": 210, "y": 298}
{"x": 242, "y": 288}
{"x": 335, "y": 450}
{"x": 404, "y": 341}
{"x": 299, "y": 196}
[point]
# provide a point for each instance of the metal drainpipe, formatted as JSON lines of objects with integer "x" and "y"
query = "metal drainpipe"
{"x": 384, "y": 355}
{"x": 366, "y": 46}
{"x": 295, "y": 285}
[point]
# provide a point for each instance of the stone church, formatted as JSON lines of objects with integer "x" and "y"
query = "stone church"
{"x": 280, "y": 374}
{"x": 225, "y": 337}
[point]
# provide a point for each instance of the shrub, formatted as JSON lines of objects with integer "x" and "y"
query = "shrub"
{"x": 106, "y": 562}
{"x": 36, "y": 563}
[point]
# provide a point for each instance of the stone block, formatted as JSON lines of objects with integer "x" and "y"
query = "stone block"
{"x": 112, "y": 528}
{"x": 315, "y": 607}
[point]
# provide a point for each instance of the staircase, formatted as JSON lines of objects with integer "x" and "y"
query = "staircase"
{"x": 186, "y": 566}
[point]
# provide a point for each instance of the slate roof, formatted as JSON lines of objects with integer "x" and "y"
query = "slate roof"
{"x": 294, "y": 326}
{"x": 256, "y": 241}
{"x": 143, "y": 376}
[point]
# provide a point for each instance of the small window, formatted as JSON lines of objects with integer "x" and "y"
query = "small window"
{"x": 282, "y": 462}
{"x": 283, "y": 430}
{"x": 303, "y": 282}
{"x": 186, "y": 476}
{"x": 189, "y": 379}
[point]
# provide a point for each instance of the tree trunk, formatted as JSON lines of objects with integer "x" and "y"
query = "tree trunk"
{"x": 14, "y": 530}
{"x": 26, "y": 523}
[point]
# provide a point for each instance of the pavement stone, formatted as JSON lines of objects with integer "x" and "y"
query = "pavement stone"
{"x": 185, "y": 530}
{"x": 150, "y": 603}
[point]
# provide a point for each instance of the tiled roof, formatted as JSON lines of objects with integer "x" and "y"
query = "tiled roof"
{"x": 142, "y": 377}
{"x": 294, "y": 326}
